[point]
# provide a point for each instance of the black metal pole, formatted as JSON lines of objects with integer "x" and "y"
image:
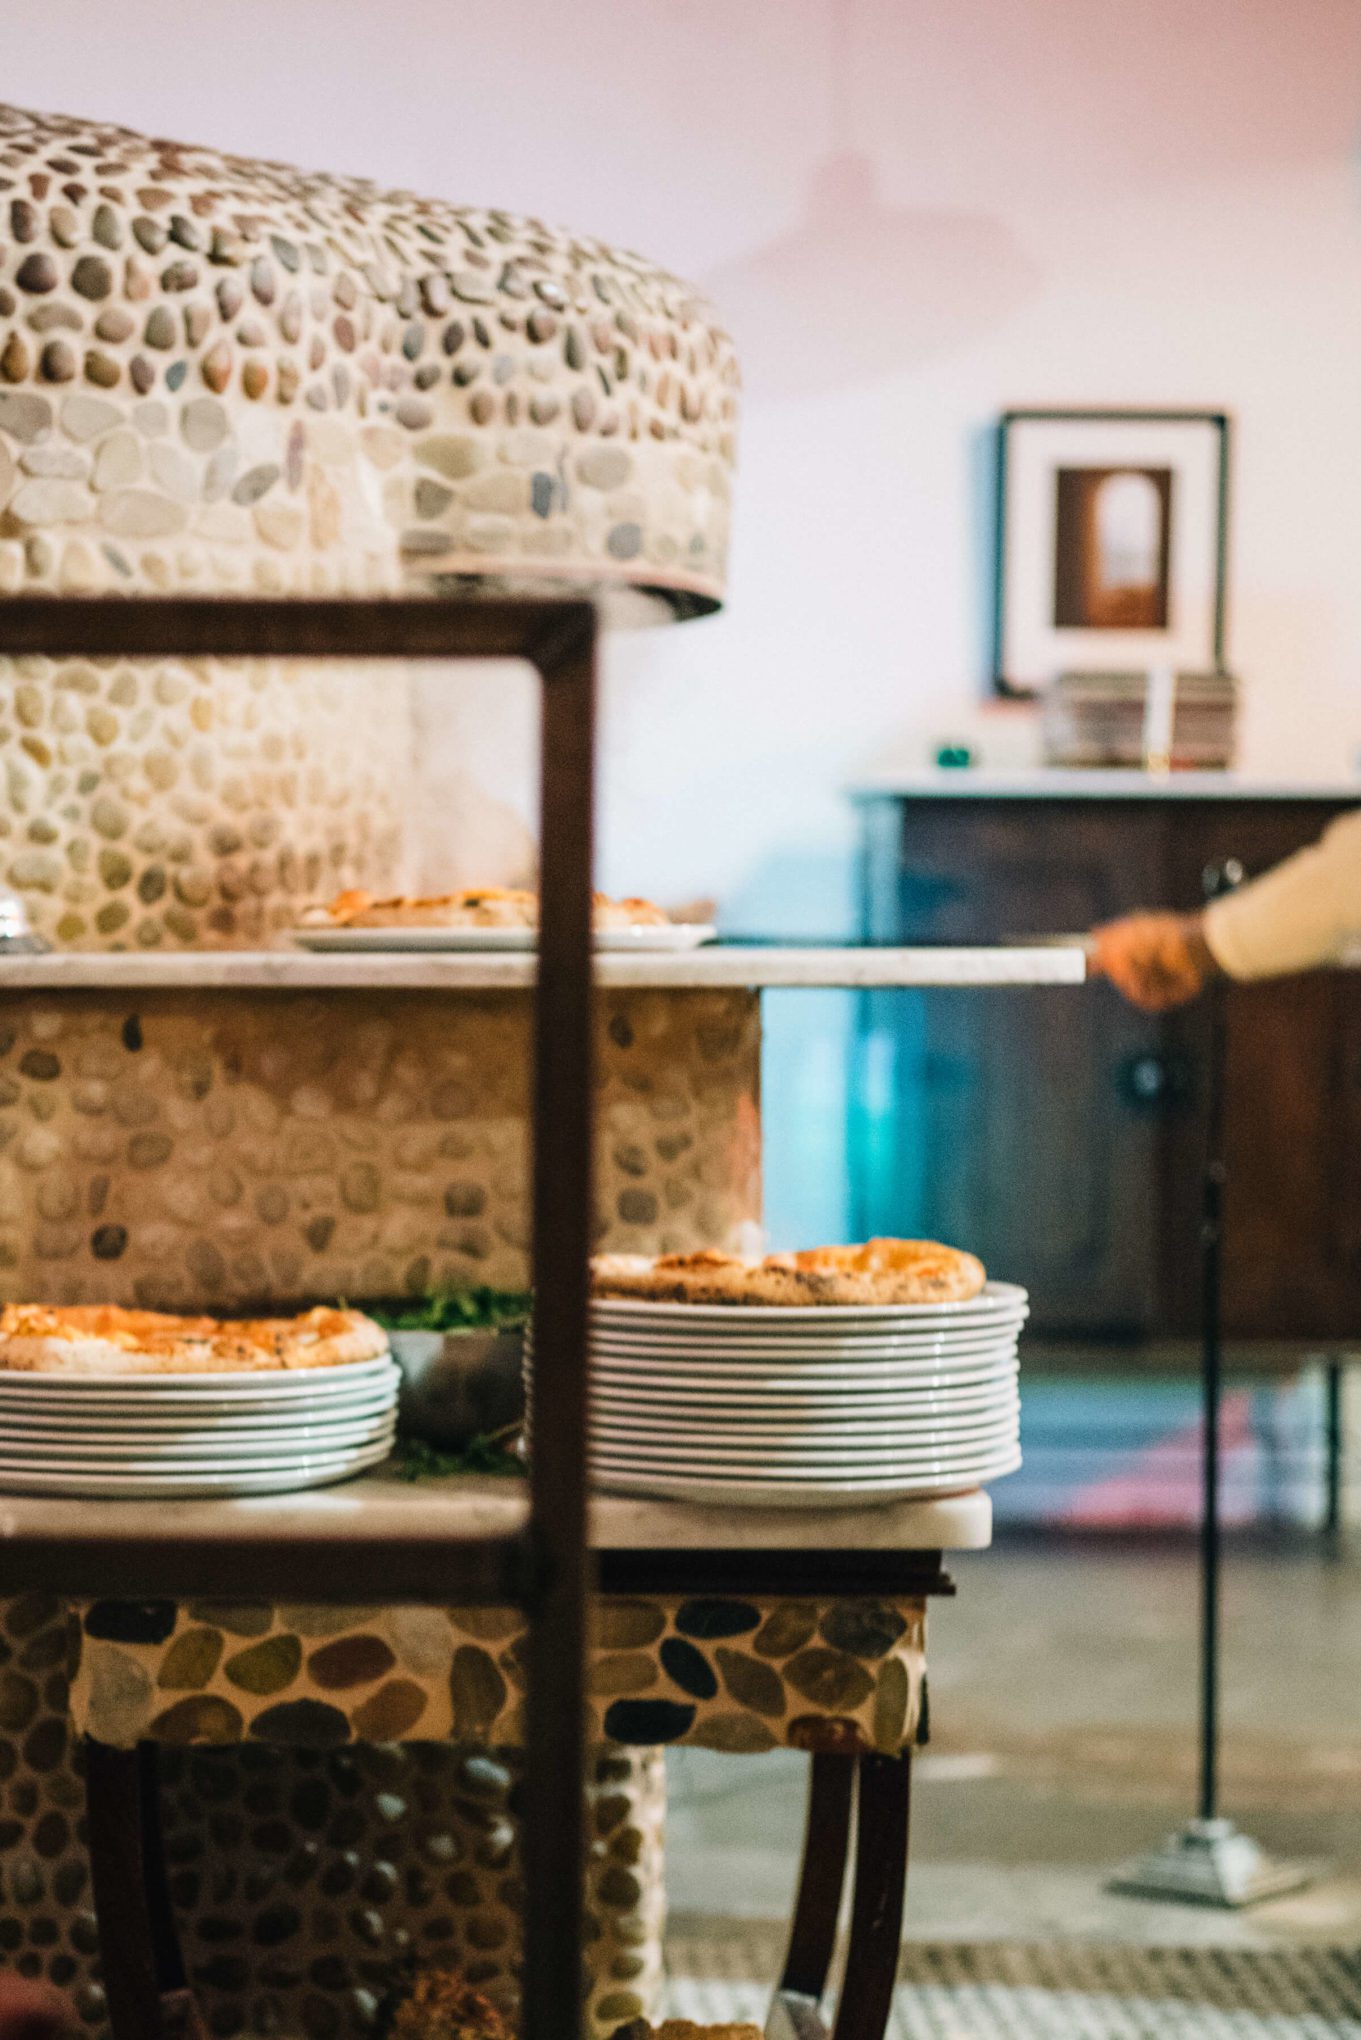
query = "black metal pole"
{"x": 1211, "y": 1270}
{"x": 1209, "y": 1861}
{"x": 554, "y": 1836}
{"x": 1218, "y": 878}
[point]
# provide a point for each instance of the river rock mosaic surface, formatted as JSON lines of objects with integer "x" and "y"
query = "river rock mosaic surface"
{"x": 227, "y": 376}
{"x": 47, "y": 1927}
{"x": 304, "y": 1869}
{"x": 304, "y": 1881}
{"x": 191, "y": 806}
{"x": 738, "y": 1675}
{"x": 218, "y": 1150}
{"x": 303, "y": 1877}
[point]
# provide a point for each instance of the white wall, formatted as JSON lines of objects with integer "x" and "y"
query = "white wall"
{"x": 1076, "y": 201}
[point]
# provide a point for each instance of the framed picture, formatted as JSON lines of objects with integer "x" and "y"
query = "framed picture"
{"x": 1112, "y": 530}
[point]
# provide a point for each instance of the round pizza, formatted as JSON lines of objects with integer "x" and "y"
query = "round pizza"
{"x": 40, "y": 1338}
{"x": 881, "y": 1271}
{"x": 483, "y": 907}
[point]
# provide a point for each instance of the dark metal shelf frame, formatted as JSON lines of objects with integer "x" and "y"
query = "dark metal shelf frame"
{"x": 548, "y": 1569}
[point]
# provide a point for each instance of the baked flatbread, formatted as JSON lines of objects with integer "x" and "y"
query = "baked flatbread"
{"x": 439, "y": 2005}
{"x": 485, "y": 907}
{"x": 685, "y": 2029}
{"x": 882, "y": 1271}
{"x": 90, "y": 1339}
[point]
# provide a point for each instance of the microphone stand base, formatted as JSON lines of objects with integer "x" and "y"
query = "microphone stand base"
{"x": 1210, "y": 1862}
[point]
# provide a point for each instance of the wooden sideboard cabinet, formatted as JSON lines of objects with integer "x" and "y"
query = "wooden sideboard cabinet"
{"x": 1063, "y": 1138}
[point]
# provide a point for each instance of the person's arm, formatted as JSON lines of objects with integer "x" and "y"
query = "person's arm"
{"x": 1295, "y": 917}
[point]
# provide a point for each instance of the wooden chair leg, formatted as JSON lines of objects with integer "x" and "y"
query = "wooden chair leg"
{"x": 144, "y": 1977}
{"x": 812, "y": 1935}
{"x": 883, "y": 1807}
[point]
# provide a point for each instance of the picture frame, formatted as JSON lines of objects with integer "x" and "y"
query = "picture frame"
{"x": 1111, "y": 543}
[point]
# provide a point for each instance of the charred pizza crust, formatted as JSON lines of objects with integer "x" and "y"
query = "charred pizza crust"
{"x": 685, "y": 2029}
{"x": 484, "y": 907}
{"x": 91, "y": 1339}
{"x": 881, "y": 1271}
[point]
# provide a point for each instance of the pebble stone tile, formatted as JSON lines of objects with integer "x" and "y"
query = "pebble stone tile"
{"x": 211, "y": 1150}
{"x": 226, "y": 376}
{"x": 220, "y": 376}
{"x": 341, "y": 1783}
{"x": 306, "y": 1881}
{"x": 306, "y": 1878}
{"x": 744, "y": 1676}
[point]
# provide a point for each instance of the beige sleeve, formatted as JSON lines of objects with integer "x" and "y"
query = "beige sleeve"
{"x": 1303, "y": 913}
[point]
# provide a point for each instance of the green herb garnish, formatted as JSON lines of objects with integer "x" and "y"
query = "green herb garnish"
{"x": 414, "y": 1459}
{"x": 455, "y": 1310}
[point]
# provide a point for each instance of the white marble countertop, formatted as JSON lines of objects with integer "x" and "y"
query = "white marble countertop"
{"x": 977, "y": 782}
{"x": 716, "y": 967}
{"x": 471, "y": 1506}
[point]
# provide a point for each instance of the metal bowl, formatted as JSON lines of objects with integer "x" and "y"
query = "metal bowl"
{"x": 459, "y": 1385}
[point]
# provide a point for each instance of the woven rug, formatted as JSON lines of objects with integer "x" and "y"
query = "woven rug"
{"x": 1060, "y": 1991}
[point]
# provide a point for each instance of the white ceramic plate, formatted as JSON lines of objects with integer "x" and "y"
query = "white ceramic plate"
{"x": 658, "y": 1413}
{"x": 814, "y": 1451}
{"x": 961, "y": 1467}
{"x": 60, "y": 1458}
{"x": 812, "y": 1447}
{"x": 804, "y": 1423}
{"x": 996, "y": 1296}
{"x": 805, "y": 1494}
{"x": 799, "y": 1352}
{"x": 728, "y": 1352}
{"x": 925, "y": 1441}
{"x": 719, "y": 1338}
{"x": 727, "y": 1408}
{"x": 673, "y": 939}
{"x": 159, "y": 1417}
{"x": 883, "y": 1378}
{"x": 226, "y": 1447}
{"x": 829, "y": 1397}
{"x": 265, "y": 1388}
{"x": 742, "y": 1327}
{"x": 289, "y": 1478}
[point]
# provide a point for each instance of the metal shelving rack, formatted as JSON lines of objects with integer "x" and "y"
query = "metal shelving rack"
{"x": 546, "y": 1568}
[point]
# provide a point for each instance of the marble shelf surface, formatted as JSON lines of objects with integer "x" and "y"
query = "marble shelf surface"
{"x": 1056, "y": 782}
{"x": 717, "y": 967}
{"x": 468, "y": 1507}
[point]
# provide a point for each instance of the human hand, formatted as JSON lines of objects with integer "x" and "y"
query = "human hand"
{"x": 1155, "y": 960}
{"x": 32, "y": 2011}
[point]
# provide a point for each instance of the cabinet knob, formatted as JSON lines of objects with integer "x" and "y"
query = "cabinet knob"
{"x": 1153, "y": 1083}
{"x": 1223, "y": 876}
{"x": 1146, "y": 1079}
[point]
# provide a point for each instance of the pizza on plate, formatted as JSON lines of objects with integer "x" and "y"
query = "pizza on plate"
{"x": 40, "y": 1338}
{"x": 881, "y": 1271}
{"x": 685, "y": 2029}
{"x": 483, "y": 907}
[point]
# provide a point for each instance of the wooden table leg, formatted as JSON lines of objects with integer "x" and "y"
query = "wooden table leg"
{"x": 144, "y": 1977}
{"x": 812, "y": 1936}
{"x": 883, "y": 1808}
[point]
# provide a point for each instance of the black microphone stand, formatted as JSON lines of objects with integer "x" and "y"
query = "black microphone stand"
{"x": 1210, "y": 1861}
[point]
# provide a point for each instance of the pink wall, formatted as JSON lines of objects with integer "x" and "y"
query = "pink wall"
{"x": 1055, "y": 200}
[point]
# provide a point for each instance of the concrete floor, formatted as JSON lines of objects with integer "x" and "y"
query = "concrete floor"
{"x": 1063, "y": 1702}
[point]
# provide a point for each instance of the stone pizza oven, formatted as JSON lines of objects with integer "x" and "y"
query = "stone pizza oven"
{"x": 228, "y": 376}
{"x": 220, "y": 376}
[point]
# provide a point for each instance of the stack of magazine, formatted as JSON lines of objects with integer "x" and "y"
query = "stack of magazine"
{"x": 1104, "y": 719}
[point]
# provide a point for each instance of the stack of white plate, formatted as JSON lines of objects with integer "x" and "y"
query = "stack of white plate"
{"x": 830, "y": 1405}
{"x": 160, "y": 1435}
